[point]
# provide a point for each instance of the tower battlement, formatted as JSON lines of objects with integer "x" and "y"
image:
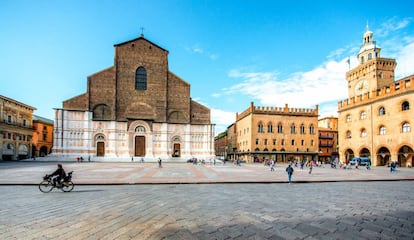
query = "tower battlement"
{"x": 403, "y": 85}
{"x": 277, "y": 111}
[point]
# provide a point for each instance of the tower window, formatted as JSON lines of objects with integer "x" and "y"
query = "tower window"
{"x": 405, "y": 106}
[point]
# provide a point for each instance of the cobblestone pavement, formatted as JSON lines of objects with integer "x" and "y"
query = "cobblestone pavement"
{"x": 139, "y": 173}
{"x": 333, "y": 210}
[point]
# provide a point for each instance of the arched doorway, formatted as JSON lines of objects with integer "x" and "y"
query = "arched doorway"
{"x": 405, "y": 155}
{"x": 349, "y": 154}
{"x": 100, "y": 145}
{"x": 139, "y": 146}
{"x": 43, "y": 151}
{"x": 365, "y": 153}
{"x": 383, "y": 156}
{"x": 176, "y": 147}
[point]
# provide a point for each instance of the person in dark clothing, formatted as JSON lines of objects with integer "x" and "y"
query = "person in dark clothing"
{"x": 59, "y": 173}
{"x": 289, "y": 171}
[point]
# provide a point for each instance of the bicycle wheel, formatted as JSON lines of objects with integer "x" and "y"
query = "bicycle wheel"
{"x": 45, "y": 186}
{"x": 67, "y": 186}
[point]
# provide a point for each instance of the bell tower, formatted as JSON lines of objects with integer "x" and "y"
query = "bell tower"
{"x": 372, "y": 72}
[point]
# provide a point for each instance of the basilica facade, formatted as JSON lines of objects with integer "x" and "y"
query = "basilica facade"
{"x": 375, "y": 121}
{"x": 136, "y": 109}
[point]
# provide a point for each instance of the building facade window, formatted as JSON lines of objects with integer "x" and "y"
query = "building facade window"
{"x": 406, "y": 127}
{"x": 405, "y": 106}
{"x": 311, "y": 129}
{"x": 363, "y": 133}
{"x": 279, "y": 128}
{"x": 141, "y": 79}
{"x": 257, "y": 141}
{"x": 302, "y": 129}
{"x": 348, "y": 134}
{"x": 269, "y": 128}
{"x": 348, "y": 118}
{"x": 260, "y": 128}
{"x": 292, "y": 129}
{"x": 381, "y": 111}
{"x": 363, "y": 115}
{"x": 382, "y": 130}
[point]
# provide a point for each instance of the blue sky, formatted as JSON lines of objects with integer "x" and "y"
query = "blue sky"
{"x": 232, "y": 52}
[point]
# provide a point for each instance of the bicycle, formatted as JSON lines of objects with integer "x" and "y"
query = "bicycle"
{"x": 47, "y": 184}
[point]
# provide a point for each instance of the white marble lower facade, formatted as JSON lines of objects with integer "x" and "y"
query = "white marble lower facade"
{"x": 77, "y": 135}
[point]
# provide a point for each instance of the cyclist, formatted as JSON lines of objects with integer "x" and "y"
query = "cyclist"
{"x": 60, "y": 173}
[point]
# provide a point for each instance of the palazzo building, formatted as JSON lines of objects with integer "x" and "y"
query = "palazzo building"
{"x": 42, "y": 136}
{"x": 135, "y": 108}
{"x": 279, "y": 133}
{"x": 328, "y": 139}
{"x": 375, "y": 121}
{"x": 16, "y": 129}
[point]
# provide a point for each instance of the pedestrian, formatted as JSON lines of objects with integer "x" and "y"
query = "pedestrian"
{"x": 89, "y": 158}
{"x": 272, "y": 166}
{"x": 310, "y": 168}
{"x": 142, "y": 160}
{"x": 289, "y": 171}
{"x": 393, "y": 167}
{"x": 159, "y": 162}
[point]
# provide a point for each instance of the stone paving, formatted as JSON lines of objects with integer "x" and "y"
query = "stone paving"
{"x": 333, "y": 210}
{"x": 121, "y": 201}
{"x": 150, "y": 173}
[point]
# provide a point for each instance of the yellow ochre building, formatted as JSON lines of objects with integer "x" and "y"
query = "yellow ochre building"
{"x": 375, "y": 121}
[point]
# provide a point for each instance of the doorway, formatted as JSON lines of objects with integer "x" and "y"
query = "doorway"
{"x": 140, "y": 146}
{"x": 177, "y": 150}
{"x": 100, "y": 149}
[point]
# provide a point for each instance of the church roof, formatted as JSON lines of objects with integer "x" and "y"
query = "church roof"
{"x": 140, "y": 38}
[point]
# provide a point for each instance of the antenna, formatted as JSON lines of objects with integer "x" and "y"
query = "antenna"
{"x": 142, "y": 31}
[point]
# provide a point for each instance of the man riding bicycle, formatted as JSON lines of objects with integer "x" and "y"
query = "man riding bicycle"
{"x": 60, "y": 173}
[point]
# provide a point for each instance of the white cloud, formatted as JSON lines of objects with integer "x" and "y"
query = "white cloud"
{"x": 325, "y": 83}
{"x": 391, "y": 25}
{"x": 199, "y": 50}
{"x": 405, "y": 61}
{"x": 222, "y": 119}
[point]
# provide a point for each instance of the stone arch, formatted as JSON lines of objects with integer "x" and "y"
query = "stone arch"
{"x": 176, "y": 146}
{"x": 405, "y": 156}
{"x": 364, "y": 152}
{"x": 177, "y": 117}
{"x": 383, "y": 156}
{"x": 101, "y": 112}
{"x": 100, "y": 140}
{"x": 349, "y": 154}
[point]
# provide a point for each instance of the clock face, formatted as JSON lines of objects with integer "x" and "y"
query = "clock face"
{"x": 361, "y": 87}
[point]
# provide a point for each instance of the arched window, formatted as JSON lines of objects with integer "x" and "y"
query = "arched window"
{"x": 363, "y": 115}
{"x": 363, "y": 133}
{"x": 302, "y": 129}
{"x": 381, "y": 111}
{"x": 348, "y": 118}
{"x": 141, "y": 79}
{"x": 140, "y": 129}
{"x": 369, "y": 56}
{"x": 311, "y": 129}
{"x": 260, "y": 127}
{"x": 101, "y": 112}
{"x": 257, "y": 141}
{"x": 292, "y": 129}
{"x": 406, "y": 127}
{"x": 405, "y": 106}
{"x": 348, "y": 134}
{"x": 269, "y": 128}
{"x": 382, "y": 130}
{"x": 280, "y": 128}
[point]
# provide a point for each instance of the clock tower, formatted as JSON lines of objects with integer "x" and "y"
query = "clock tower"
{"x": 372, "y": 72}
